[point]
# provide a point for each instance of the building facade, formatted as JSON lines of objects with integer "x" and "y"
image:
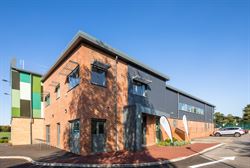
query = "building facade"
{"x": 97, "y": 99}
{"x": 26, "y": 107}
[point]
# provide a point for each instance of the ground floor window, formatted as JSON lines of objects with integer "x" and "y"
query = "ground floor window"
{"x": 98, "y": 132}
{"x": 48, "y": 134}
{"x": 58, "y": 134}
{"x": 74, "y": 136}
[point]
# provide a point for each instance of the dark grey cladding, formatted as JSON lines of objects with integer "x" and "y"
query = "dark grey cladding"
{"x": 208, "y": 110}
{"x": 154, "y": 102}
{"x": 171, "y": 101}
{"x": 162, "y": 100}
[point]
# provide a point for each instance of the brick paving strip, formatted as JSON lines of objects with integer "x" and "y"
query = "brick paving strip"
{"x": 151, "y": 156}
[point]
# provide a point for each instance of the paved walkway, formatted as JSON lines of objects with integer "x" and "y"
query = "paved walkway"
{"x": 151, "y": 154}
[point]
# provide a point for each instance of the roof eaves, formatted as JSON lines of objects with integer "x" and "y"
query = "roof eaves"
{"x": 93, "y": 40}
{"x": 121, "y": 54}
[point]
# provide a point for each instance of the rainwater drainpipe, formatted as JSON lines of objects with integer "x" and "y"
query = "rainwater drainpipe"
{"x": 31, "y": 116}
{"x": 178, "y": 99}
{"x": 115, "y": 97}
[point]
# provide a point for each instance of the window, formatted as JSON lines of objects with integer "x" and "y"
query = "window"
{"x": 58, "y": 91}
{"x": 139, "y": 89}
{"x": 191, "y": 109}
{"x": 76, "y": 126}
{"x": 74, "y": 78}
{"x": 98, "y": 76}
{"x": 58, "y": 134}
{"x": 98, "y": 127}
{"x": 47, "y": 100}
{"x": 48, "y": 134}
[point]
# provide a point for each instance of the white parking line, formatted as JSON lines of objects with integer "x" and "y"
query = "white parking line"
{"x": 213, "y": 162}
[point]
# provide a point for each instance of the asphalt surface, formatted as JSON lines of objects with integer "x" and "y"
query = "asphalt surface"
{"x": 233, "y": 147}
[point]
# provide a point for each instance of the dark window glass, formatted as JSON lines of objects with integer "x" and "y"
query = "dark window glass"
{"x": 47, "y": 100}
{"x": 74, "y": 78}
{"x": 98, "y": 76}
{"x": 76, "y": 126}
{"x": 101, "y": 128}
{"x": 58, "y": 91}
{"x": 139, "y": 89}
{"x": 98, "y": 127}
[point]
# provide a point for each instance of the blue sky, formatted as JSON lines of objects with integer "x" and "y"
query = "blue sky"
{"x": 202, "y": 45}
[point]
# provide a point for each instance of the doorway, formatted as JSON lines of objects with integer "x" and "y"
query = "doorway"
{"x": 158, "y": 130}
{"x": 75, "y": 136}
{"x": 98, "y": 132}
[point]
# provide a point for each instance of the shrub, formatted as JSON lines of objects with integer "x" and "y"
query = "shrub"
{"x": 176, "y": 142}
{"x": 5, "y": 128}
{"x": 4, "y": 140}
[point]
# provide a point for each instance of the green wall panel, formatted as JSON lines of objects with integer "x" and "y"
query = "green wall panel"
{"x": 15, "y": 98}
{"x": 24, "y": 77}
{"x": 36, "y": 100}
{"x": 36, "y": 84}
{"x": 15, "y": 112}
{"x": 36, "y": 113}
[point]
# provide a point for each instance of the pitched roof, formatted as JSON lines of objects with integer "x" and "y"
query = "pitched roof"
{"x": 84, "y": 37}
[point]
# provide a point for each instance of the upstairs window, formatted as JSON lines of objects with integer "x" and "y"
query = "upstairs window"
{"x": 58, "y": 91}
{"x": 139, "y": 89}
{"x": 190, "y": 108}
{"x": 98, "y": 76}
{"x": 74, "y": 78}
{"x": 47, "y": 100}
{"x": 99, "y": 73}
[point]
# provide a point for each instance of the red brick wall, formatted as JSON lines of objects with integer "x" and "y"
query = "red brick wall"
{"x": 150, "y": 130}
{"x": 86, "y": 101}
{"x": 196, "y": 129}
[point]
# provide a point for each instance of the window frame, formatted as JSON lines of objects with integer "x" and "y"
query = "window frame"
{"x": 190, "y": 108}
{"x": 47, "y": 103}
{"x": 139, "y": 84}
{"x": 68, "y": 81}
{"x": 56, "y": 91}
{"x": 105, "y": 76}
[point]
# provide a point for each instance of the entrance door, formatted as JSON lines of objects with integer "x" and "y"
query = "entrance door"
{"x": 158, "y": 130}
{"x": 75, "y": 136}
{"x": 144, "y": 129}
{"x": 98, "y": 135}
{"x": 48, "y": 134}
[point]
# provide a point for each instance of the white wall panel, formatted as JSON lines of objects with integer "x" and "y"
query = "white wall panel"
{"x": 25, "y": 91}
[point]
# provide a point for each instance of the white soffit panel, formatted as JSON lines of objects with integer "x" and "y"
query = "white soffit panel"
{"x": 25, "y": 91}
{"x": 42, "y": 112}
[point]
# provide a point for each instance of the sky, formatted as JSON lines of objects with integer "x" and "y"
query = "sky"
{"x": 202, "y": 45}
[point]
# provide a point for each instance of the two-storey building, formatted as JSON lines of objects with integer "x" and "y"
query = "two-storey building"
{"x": 100, "y": 99}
